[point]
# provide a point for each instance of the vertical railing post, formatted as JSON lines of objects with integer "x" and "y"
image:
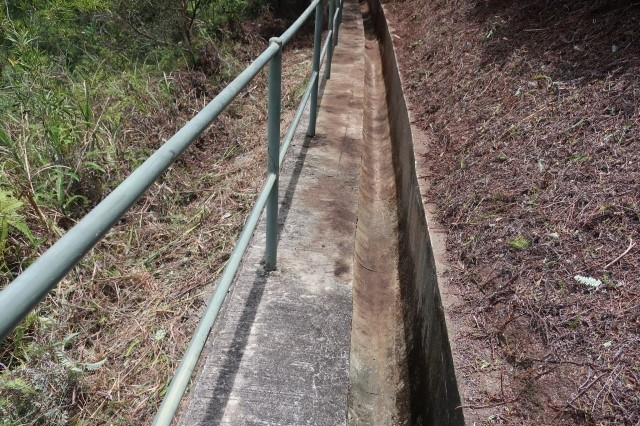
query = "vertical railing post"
{"x": 317, "y": 42}
{"x": 330, "y": 34}
{"x": 273, "y": 134}
{"x": 341, "y": 7}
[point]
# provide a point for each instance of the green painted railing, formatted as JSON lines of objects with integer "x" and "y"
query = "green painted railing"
{"x": 30, "y": 287}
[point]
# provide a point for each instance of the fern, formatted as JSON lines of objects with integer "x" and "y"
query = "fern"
{"x": 588, "y": 281}
{"x": 10, "y": 217}
{"x": 70, "y": 364}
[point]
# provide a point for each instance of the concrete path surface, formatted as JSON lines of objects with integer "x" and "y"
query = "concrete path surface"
{"x": 279, "y": 352}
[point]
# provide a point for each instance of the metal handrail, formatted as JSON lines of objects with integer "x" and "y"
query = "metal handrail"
{"x": 29, "y": 288}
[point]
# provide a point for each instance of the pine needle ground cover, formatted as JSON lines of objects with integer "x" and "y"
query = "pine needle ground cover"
{"x": 531, "y": 110}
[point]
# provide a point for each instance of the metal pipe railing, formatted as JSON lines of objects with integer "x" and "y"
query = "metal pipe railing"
{"x": 339, "y": 19}
{"x": 296, "y": 118}
{"x": 330, "y": 42}
{"x": 317, "y": 39}
{"x": 30, "y": 287}
{"x": 182, "y": 376}
{"x": 298, "y": 23}
{"x": 273, "y": 157}
{"x": 325, "y": 51}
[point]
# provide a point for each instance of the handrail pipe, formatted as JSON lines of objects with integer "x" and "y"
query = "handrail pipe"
{"x": 25, "y": 292}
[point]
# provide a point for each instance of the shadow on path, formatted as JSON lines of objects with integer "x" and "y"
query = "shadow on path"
{"x": 233, "y": 358}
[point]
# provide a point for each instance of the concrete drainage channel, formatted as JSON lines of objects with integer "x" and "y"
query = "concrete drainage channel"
{"x": 401, "y": 368}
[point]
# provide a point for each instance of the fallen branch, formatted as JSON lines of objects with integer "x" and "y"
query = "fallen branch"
{"x": 562, "y": 411}
{"x": 631, "y": 246}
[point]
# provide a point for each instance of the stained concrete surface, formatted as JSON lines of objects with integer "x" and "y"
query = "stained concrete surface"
{"x": 279, "y": 352}
{"x": 432, "y": 382}
{"x": 378, "y": 369}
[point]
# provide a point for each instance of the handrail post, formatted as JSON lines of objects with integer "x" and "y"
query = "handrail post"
{"x": 273, "y": 160}
{"x": 330, "y": 34}
{"x": 317, "y": 41}
{"x": 340, "y": 5}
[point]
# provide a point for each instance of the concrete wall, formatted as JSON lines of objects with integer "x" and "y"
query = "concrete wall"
{"x": 434, "y": 396}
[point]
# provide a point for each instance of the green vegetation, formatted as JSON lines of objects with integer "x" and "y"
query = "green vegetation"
{"x": 10, "y": 218}
{"x": 72, "y": 71}
{"x": 519, "y": 243}
{"x": 88, "y": 89}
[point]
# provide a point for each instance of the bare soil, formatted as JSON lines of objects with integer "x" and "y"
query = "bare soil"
{"x": 532, "y": 113}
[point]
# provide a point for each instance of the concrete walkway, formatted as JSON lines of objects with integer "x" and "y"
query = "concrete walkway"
{"x": 279, "y": 352}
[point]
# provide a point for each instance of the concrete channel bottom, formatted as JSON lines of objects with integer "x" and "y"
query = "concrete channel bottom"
{"x": 323, "y": 340}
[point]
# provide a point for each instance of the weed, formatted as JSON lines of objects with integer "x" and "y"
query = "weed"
{"x": 519, "y": 243}
{"x": 110, "y": 336}
{"x": 11, "y": 218}
{"x": 75, "y": 121}
{"x": 579, "y": 158}
{"x": 574, "y": 323}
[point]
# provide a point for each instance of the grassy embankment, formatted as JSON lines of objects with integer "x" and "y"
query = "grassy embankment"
{"x": 89, "y": 89}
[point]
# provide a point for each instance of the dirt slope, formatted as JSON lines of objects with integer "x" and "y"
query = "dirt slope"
{"x": 532, "y": 112}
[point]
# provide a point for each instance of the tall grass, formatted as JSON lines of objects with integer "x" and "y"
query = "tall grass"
{"x": 62, "y": 148}
{"x": 79, "y": 111}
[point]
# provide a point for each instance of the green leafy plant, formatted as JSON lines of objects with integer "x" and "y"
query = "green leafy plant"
{"x": 81, "y": 91}
{"x": 11, "y": 218}
{"x": 519, "y": 243}
{"x": 588, "y": 281}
